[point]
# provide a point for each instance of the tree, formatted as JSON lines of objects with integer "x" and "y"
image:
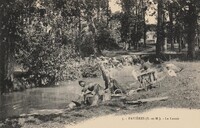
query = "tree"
{"x": 191, "y": 21}
{"x": 42, "y": 35}
{"x": 185, "y": 18}
{"x": 8, "y": 35}
{"x": 144, "y": 8}
{"x": 160, "y": 33}
{"x": 171, "y": 31}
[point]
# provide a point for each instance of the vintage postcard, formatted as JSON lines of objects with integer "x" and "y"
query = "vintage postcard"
{"x": 99, "y": 63}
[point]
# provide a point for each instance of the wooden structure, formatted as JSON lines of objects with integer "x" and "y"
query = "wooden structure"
{"x": 142, "y": 101}
{"x": 147, "y": 79}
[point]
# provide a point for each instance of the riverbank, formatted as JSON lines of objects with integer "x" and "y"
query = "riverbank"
{"x": 183, "y": 92}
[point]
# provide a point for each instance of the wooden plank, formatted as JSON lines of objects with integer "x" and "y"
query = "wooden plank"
{"x": 147, "y": 73}
{"x": 153, "y": 53}
{"x": 147, "y": 100}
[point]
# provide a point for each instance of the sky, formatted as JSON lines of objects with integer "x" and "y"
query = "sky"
{"x": 115, "y": 7}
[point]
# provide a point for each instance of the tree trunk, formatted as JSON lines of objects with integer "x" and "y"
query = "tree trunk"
{"x": 191, "y": 30}
{"x": 160, "y": 35}
{"x": 6, "y": 65}
{"x": 2, "y": 69}
{"x": 6, "y": 51}
{"x": 179, "y": 42}
{"x": 144, "y": 23}
{"x": 79, "y": 29}
{"x": 171, "y": 27}
{"x": 107, "y": 12}
{"x": 98, "y": 10}
{"x": 191, "y": 43}
{"x": 145, "y": 36}
{"x": 136, "y": 25}
{"x": 198, "y": 43}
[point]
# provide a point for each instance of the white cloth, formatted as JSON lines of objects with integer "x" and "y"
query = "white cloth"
{"x": 171, "y": 73}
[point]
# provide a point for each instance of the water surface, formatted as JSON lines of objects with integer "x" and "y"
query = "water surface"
{"x": 17, "y": 103}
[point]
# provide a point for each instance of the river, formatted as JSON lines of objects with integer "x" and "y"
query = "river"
{"x": 52, "y": 98}
{"x": 18, "y": 103}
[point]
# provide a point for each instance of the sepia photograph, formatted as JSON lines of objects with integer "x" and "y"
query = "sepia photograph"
{"x": 99, "y": 63}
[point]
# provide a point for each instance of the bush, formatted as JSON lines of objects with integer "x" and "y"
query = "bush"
{"x": 90, "y": 71}
{"x": 105, "y": 41}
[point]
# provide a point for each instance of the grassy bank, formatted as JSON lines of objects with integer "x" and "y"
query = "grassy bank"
{"x": 183, "y": 92}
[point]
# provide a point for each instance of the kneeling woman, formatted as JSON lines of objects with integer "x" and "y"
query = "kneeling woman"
{"x": 92, "y": 93}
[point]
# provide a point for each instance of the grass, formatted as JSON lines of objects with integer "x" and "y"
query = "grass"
{"x": 183, "y": 92}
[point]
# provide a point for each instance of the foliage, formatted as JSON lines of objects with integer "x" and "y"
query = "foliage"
{"x": 46, "y": 37}
{"x": 50, "y": 33}
{"x": 42, "y": 48}
{"x": 90, "y": 71}
{"x": 133, "y": 21}
{"x": 104, "y": 39}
